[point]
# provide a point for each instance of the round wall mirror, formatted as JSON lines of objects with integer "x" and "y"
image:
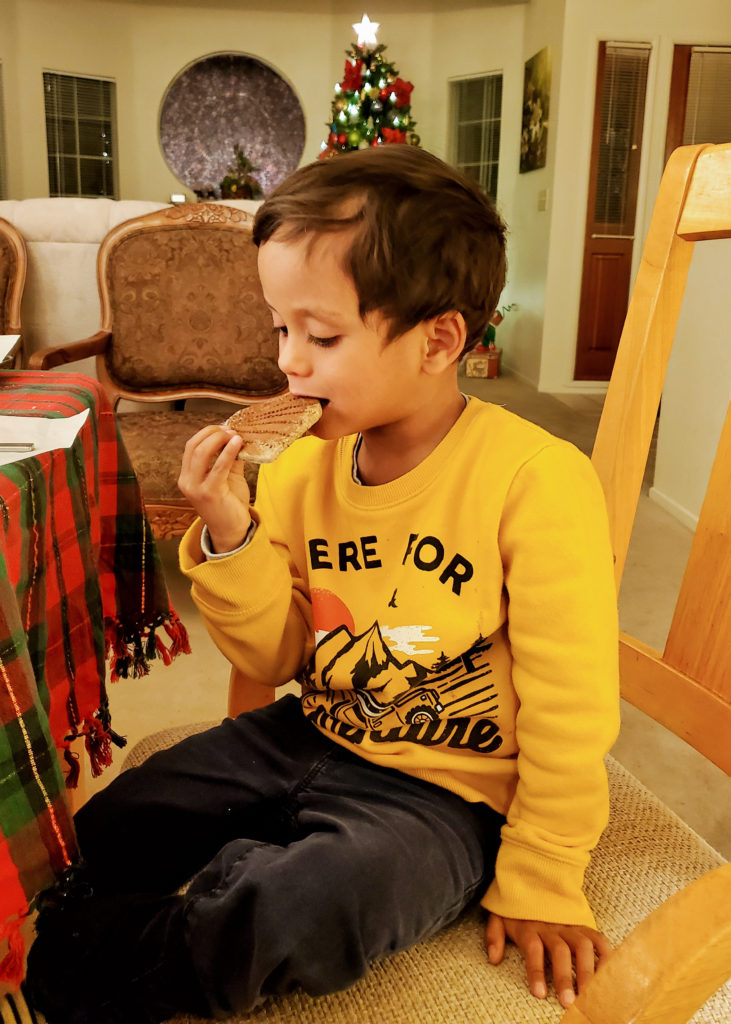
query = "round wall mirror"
{"x": 224, "y": 104}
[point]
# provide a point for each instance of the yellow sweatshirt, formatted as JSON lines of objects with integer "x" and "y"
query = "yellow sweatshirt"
{"x": 458, "y": 624}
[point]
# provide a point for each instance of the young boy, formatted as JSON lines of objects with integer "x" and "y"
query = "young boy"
{"x": 437, "y": 573}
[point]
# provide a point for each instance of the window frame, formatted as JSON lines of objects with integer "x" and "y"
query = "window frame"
{"x": 491, "y": 115}
{"x": 54, "y": 121}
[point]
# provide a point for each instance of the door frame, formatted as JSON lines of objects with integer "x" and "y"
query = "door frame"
{"x": 600, "y": 48}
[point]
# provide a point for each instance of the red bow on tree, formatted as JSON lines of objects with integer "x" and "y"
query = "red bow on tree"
{"x": 403, "y": 92}
{"x": 393, "y": 135}
{"x": 352, "y": 76}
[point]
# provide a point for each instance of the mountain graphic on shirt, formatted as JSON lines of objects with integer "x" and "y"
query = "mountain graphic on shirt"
{"x": 364, "y": 659}
{"x": 357, "y": 682}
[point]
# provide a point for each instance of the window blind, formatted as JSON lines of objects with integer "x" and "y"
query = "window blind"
{"x": 80, "y": 135}
{"x": 476, "y": 121}
{"x": 708, "y": 106}
{"x": 622, "y": 111}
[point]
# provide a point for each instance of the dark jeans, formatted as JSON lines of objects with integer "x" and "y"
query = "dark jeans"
{"x": 307, "y": 862}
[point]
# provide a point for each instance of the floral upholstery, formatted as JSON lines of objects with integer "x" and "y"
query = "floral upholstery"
{"x": 183, "y": 318}
{"x": 155, "y": 443}
{"x": 13, "y": 262}
{"x": 186, "y": 306}
{"x": 183, "y": 322}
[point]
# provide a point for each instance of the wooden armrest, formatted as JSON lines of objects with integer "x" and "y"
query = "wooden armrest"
{"x": 669, "y": 965}
{"x": 47, "y": 358}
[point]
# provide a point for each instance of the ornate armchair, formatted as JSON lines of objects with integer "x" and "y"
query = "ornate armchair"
{"x": 13, "y": 264}
{"x": 184, "y": 328}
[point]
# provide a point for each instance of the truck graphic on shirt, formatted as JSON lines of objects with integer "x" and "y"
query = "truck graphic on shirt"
{"x": 385, "y": 693}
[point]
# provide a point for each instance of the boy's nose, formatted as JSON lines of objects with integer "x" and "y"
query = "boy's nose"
{"x": 293, "y": 357}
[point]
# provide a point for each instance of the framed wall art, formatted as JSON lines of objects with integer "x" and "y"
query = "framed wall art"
{"x": 536, "y": 103}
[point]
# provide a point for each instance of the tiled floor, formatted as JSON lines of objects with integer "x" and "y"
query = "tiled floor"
{"x": 194, "y": 687}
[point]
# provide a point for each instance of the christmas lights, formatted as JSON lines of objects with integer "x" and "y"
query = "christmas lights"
{"x": 372, "y": 104}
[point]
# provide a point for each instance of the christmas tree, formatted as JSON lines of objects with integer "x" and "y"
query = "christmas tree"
{"x": 372, "y": 104}
{"x": 240, "y": 182}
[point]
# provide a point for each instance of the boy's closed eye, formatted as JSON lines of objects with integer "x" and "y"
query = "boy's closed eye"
{"x": 324, "y": 342}
{"x": 312, "y": 338}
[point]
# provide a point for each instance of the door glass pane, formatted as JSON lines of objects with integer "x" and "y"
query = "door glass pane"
{"x": 622, "y": 111}
{"x": 708, "y": 106}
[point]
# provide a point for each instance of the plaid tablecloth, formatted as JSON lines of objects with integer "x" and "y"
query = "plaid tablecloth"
{"x": 81, "y": 589}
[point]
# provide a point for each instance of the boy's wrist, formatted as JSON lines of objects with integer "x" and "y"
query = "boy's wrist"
{"x": 226, "y": 543}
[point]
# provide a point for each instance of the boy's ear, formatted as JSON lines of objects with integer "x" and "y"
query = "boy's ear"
{"x": 446, "y": 335}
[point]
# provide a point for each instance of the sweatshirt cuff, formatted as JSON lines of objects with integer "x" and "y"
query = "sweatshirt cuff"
{"x": 221, "y": 583}
{"x": 207, "y": 547}
{"x": 533, "y": 887}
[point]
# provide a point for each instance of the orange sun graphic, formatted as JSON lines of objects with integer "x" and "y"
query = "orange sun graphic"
{"x": 329, "y": 612}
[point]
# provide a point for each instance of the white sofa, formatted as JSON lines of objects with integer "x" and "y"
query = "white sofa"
{"x": 60, "y": 302}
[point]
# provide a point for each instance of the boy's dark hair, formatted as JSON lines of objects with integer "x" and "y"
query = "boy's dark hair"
{"x": 427, "y": 239}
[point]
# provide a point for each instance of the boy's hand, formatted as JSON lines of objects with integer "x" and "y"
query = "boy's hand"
{"x": 569, "y": 948}
{"x": 212, "y": 479}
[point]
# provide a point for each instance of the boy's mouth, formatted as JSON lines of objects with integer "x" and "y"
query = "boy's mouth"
{"x": 323, "y": 401}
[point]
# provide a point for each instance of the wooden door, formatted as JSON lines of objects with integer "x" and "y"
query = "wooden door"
{"x": 700, "y": 97}
{"x": 619, "y": 112}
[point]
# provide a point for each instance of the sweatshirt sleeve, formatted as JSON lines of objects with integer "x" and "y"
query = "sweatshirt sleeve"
{"x": 255, "y": 603}
{"x": 562, "y": 625}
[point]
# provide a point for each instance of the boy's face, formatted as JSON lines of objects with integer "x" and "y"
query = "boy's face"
{"x": 326, "y": 350}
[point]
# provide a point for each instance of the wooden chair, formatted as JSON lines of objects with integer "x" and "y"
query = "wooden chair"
{"x": 13, "y": 267}
{"x": 659, "y": 891}
{"x": 182, "y": 317}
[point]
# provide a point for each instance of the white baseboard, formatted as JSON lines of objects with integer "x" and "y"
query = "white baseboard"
{"x": 583, "y": 387}
{"x": 676, "y": 510}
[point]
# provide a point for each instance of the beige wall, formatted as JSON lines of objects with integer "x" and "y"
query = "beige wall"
{"x": 143, "y": 46}
{"x": 662, "y": 24}
{"x": 478, "y": 42}
{"x": 530, "y": 228}
{"x": 698, "y": 386}
{"x": 699, "y": 377}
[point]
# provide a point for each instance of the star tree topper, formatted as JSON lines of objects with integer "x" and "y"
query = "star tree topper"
{"x": 366, "y": 30}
